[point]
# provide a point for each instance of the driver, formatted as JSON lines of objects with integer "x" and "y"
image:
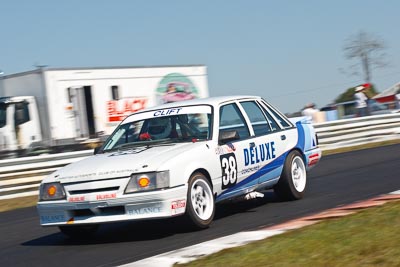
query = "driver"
{"x": 160, "y": 128}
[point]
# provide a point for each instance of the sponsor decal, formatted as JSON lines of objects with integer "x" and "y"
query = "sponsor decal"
{"x": 231, "y": 147}
{"x": 178, "y": 206}
{"x": 106, "y": 196}
{"x": 84, "y": 175}
{"x": 228, "y": 148}
{"x": 313, "y": 159}
{"x": 250, "y": 169}
{"x": 166, "y": 112}
{"x": 52, "y": 218}
{"x": 128, "y": 152}
{"x": 229, "y": 170}
{"x": 112, "y": 172}
{"x": 219, "y": 151}
{"x": 259, "y": 153}
{"x": 76, "y": 199}
{"x": 101, "y": 173}
{"x": 144, "y": 209}
{"x": 117, "y": 110}
{"x": 176, "y": 87}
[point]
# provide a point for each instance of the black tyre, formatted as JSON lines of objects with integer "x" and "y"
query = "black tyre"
{"x": 79, "y": 231}
{"x": 292, "y": 184}
{"x": 200, "y": 208}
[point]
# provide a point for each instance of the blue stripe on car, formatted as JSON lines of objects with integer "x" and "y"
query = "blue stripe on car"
{"x": 301, "y": 136}
{"x": 267, "y": 172}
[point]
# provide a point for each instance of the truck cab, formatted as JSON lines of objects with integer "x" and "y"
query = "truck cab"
{"x": 19, "y": 124}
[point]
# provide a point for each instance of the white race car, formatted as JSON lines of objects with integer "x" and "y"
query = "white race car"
{"x": 181, "y": 159}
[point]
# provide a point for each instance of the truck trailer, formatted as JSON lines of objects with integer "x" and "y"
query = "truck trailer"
{"x": 62, "y": 109}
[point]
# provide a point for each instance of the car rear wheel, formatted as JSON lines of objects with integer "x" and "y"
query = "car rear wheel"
{"x": 79, "y": 231}
{"x": 200, "y": 208}
{"x": 292, "y": 184}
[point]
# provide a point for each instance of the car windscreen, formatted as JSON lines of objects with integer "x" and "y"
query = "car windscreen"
{"x": 3, "y": 115}
{"x": 191, "y": 127}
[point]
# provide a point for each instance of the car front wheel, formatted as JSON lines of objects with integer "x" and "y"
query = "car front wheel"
{"x": 200, "y": 208}
{"x": 292, "y": 184}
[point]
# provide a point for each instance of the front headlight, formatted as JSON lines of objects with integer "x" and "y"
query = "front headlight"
{"x": 147, "y": 181}
{"x": 51, "y": 191}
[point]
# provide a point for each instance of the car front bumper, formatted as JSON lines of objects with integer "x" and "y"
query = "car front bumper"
{"x": 141, "y": 205}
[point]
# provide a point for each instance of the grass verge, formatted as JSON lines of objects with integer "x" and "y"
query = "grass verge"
{"x": 360, "y": 147}
{"x": 16, "y": 203}
{"x": 367, "y": 238}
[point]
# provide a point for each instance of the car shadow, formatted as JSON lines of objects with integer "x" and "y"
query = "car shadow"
{"x": 116, "y": 233}
{"x": 151, "y": 229}
{"x": 234, "y": 207}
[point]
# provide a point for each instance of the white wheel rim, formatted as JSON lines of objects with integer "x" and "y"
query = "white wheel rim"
{"x": 299, "y": 177}
{"x": 202, "y": 199}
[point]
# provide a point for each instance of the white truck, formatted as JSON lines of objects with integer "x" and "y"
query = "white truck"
{"x": 52, "y": 110}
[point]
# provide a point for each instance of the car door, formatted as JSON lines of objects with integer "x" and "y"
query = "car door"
{"x": 266, "y": 152}
{"x": 230, "y": 152}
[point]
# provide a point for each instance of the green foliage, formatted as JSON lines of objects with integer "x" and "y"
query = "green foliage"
{"x": 348, "y": 95}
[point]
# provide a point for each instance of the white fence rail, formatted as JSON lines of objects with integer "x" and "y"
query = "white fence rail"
{"x": 21, "y": 177}
{"x": 357, "y": 131}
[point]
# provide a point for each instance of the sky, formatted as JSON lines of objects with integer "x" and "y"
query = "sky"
{"x": 289, "y": 51}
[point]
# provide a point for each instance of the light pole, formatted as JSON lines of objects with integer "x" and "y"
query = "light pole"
{"x": 2, "y": 83}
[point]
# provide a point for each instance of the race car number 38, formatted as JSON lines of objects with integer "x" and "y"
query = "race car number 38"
{"x": 229, "y": 170}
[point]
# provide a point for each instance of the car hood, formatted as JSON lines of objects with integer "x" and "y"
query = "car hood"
{"x": 120, "y": 163}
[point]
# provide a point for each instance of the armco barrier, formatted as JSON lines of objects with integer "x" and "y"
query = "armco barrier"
{"x": 350, "y": 132}
{"x": 21, "y": 177}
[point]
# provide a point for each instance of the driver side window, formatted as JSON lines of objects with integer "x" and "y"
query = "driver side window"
{"x": 231, "y": 119}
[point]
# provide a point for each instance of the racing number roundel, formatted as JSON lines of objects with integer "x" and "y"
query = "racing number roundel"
{"x": 229, "y": 170}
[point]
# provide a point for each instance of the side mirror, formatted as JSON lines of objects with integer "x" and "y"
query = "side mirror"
{"x": 96, "y": 150}
{"x": 228, "y": 136}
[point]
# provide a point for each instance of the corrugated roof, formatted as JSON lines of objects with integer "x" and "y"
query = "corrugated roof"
{"x": 393, "y": 90}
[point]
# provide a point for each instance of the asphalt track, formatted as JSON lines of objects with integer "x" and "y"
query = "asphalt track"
{"x": 338, "y": 179}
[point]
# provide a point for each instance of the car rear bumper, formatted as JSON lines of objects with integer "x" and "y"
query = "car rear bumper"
{"x": 312, "y": 157}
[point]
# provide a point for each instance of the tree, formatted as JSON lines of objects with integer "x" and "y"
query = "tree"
{"x": 368, "y": 50}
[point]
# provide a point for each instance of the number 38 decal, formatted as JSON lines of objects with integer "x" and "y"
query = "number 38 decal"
{"x": 229, "y": 170}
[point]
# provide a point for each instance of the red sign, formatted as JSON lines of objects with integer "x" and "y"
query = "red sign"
{"x": 178, "y": 204}
{"x": 77, "y": 199}
{"x": 106, "y": 196}
{"x": 117, "y": 110}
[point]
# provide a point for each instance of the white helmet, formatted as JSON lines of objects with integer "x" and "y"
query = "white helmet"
{"x": 160, "y": 128}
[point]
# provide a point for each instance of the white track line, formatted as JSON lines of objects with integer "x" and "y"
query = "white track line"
{"x": 191, "y": 253}
{"x": 194, "y": 252}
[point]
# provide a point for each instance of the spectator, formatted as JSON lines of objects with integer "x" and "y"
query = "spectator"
{"x": 361, "y": 101}
{"x": 310, "y": 111}
{"x": 397, "y": 99}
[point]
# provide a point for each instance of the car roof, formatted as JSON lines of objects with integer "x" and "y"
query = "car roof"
{"x": 214, "y": 101}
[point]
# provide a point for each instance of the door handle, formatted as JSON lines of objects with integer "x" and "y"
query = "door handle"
{"x": 252, "y": 144}
{"x": 283, "y": 137}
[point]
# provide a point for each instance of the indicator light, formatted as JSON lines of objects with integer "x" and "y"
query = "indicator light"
{"x": 52, "y": 190}
{"x": 144, "y": 182}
